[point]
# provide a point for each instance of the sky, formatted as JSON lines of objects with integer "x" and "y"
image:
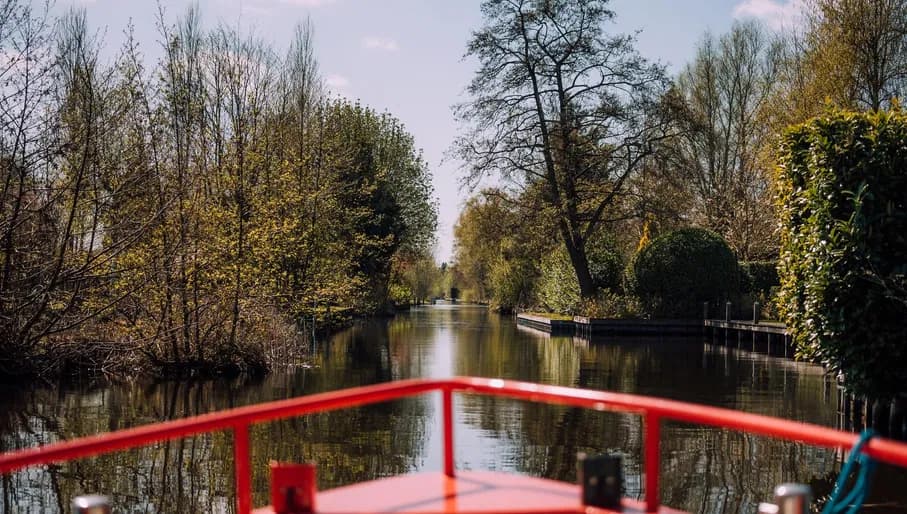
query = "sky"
{"x": 406, "y": 56}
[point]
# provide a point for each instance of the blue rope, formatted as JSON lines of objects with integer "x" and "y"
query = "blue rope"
{"x": 853, "y": 500}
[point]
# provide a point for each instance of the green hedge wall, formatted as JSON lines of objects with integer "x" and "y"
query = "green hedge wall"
{"x": 675, "y": 273}
{"x": 842, "y": 186}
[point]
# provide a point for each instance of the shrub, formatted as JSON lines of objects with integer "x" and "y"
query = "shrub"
{"x": 605, "y": 263}
{"x": 609, "y": 304}
{"x": 675, "y": 273}
{"x": 758, "y": 276}
{"x": 558, "y": 287}
{"x": 841, "y": 189}
{"x": 512, "y": 281}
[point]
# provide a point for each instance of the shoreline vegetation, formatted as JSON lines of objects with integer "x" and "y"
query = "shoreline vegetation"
{"x": 192, "y": 215}
{"x": 766, "y": 171}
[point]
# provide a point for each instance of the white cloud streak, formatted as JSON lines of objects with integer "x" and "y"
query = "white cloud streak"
{"x": 777, "y": 14}
{"x": 309, "y": 3}
{"x": 336, "y": 81}
{"x": 385, "y": 44}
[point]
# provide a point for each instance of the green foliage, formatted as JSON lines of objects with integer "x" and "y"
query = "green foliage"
{"x": 841, "y": 197}
{"x": 612, "y": 305}
{"x": 192, "y": 212}
{"x": 606, "y": 265}
{"x": 678, "y": 271}
{"x": 558, "y": 288}
{"x": 483, "y": 225}
{"x": 500, "y": 240}
{"x": 415, "y": 279}
{"x": 513, "y": 283}
{"x": 758, "y": 276}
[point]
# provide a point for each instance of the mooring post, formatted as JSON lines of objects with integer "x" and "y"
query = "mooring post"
{"x": 727, "y": 311}
{"x": 857, "y": 412}
{"x": 896, "y": 418}
{"x": 756, "y": 312}
{"x": 705, "y": 310}
{"x": 881, "y": 412}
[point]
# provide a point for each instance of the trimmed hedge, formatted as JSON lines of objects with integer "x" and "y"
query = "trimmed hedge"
{"x": 675, "y": 273}
{"x": 842, "y": 187}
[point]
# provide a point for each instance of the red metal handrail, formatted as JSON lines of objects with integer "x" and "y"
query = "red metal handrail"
{"x": 652, "y": 410}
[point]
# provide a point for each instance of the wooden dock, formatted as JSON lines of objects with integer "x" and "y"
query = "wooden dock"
{"x": 768, "y": 337}
{"x": 588, "y": 327}
{"x": 766, "y": 327}
{"x": 551, "y": 326}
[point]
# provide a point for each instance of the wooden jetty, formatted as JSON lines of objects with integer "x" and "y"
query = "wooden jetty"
{"x": 767, "y": 337}
{"x": 545, "y": 324}
{"x": 766, "y": 327}
{"x": 588, "y": 327}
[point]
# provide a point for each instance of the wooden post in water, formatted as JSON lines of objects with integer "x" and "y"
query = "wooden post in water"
{"x": 844, "y": 402}
{"x": 857, "y": 411}
{"x": 880, "y": 414}
{"x": 755, "y": 312}
{"x": 896, "y": 418}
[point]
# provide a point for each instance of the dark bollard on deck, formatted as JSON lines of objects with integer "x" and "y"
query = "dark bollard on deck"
{"x": 756, "y": 309}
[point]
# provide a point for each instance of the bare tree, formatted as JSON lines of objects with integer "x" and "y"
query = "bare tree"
{"x": 719, "y": 152}
{"x": 244, "y": 65}
{"x": 869, "y": 39}
{"x": 560, "y": 102}
{"x": 26, "y": 149}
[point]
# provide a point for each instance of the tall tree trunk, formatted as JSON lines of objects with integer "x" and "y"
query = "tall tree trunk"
{"x": 577, "y": 251}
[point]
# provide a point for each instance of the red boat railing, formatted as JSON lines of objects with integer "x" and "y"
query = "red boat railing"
{"x": 652, "y": 410}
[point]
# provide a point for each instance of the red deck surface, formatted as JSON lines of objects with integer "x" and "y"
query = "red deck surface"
{"x": 476, "y": 492}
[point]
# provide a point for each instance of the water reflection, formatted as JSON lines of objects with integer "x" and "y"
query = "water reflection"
{"x": 704, "y": 470}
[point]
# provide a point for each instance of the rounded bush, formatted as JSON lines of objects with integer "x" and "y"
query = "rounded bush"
{"x": 675, "y": 273}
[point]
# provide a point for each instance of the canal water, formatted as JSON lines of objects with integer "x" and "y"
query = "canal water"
{"x": 704, "y": 470}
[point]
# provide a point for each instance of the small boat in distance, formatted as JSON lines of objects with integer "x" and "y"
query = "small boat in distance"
{"x": 449, "y": 490}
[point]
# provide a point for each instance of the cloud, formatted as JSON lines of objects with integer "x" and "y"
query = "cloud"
{"x": 380, "y": 43}
{"x": 336, "y": 81}
{"x": 777, "y": 14}
{"x": 308, "y": 3}
{"x": 256, "y": 10}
